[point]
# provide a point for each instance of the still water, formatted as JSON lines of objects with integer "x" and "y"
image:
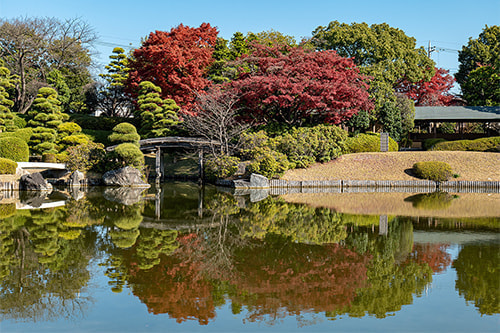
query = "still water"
{"x": 184, "y": 258}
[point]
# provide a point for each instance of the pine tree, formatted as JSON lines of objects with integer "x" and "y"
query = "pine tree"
{"x": 158, "y": 115}
{"x": 45, "y": 117}
{"x": 6, "y": 116}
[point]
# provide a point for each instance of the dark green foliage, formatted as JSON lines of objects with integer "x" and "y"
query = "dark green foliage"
{"x": 479, "y": 70}
{"x": 483, "y": 144}
{"x": 429, "y": 144}
{"x": 433, "y": 170}
{"x": 367, "y": 142}
{"x": 45, "y": 117}
{"x": 128, "y": 154}
{"x": 86, "y": 157}
{"x": 157, "y": 115}
{"x": 100, "y": 136}
{"x": 124, "y": 133}
{"x": 221, "y": 167}
{"x": 14, "y": 148}
{"x": 7, "y": 167}
{"x": 360, "y": 122}
{"x": 390, "y": 119}
{"x": 101, "y": 123}
{"x": 6, "y": 116}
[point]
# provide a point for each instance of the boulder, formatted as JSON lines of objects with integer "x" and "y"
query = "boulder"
{"x": 34, "y": 182}
{"x": 126, "y": 176}
{"x": 75, "y": 179}
{"x": 258, "y": 181}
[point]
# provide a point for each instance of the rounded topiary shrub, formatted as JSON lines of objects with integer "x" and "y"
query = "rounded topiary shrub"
{"x": 15, "y": 149}
{"x": 7, "y": 167}
{"x": 125, "y": 133}
{"x": 129, "y": 154}
{"x": 433, "y": 170}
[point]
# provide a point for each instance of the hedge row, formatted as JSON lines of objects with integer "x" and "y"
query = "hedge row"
{"x": 483, "y": 144}
{"x": 367, "y": 142}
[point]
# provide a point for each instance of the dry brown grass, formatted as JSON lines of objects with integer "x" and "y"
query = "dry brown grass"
{"x": 473, "y": 166}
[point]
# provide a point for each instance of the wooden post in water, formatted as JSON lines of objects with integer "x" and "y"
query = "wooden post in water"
{"x": 158, "y": 165}
{"x": 383, "y": 225}
{"x": 201, "y": 175}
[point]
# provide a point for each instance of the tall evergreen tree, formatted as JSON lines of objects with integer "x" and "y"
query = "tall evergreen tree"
{"x": 158, "y": 115}
{"x": 44, "y": 117}
{"x": 6, "y": 116}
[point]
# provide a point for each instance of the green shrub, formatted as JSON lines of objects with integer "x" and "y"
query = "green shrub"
{"x": 128, "y": 154}
{"x": 433, "y": 170}
{"x": 429, "y": 144}
{"x": 482, "y": 144}
{"x": 306, "y": 145}
{"x": 14, "y": 148}
{"x": 86, "y": 157}
{"x": 23, "y": 133}
{"x": 99, "y": 136}
{"x": 125, "y": 133}
{"x": 221, "y": 167}
{"x": 268, "y": 163}
{"x": 250, "y": 141}
{"x": 49, "y": 158}
{"x": 69, "y": 128}
{"x": 101, "y": 123}
{"x": 19, "y": 122}
{"x": 367, "y": 142}
{"x": 7, "y": 167}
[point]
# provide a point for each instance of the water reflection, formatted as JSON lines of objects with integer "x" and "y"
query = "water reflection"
{"x": 185, "y": 251}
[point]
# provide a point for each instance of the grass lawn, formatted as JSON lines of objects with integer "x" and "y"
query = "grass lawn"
{"x": 472, "y": 166}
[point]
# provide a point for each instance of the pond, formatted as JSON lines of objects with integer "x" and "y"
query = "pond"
{"x": 185, "y": 258}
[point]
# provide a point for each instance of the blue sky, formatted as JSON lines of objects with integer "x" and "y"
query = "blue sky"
{"x": 448, "y": 24}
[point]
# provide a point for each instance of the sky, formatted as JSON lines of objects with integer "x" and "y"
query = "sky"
{"x": 447, "y": 24}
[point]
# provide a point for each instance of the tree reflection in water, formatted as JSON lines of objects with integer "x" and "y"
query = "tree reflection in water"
{"x": 269, "y": 259}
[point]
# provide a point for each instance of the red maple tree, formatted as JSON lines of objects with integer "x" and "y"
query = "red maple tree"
{"x": 435, "y": 92}
{"x": 176, "y": 61}
{"x": 300, "y": 86}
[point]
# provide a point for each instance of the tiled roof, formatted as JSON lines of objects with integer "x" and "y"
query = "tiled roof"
{"x": 458, "y": 113}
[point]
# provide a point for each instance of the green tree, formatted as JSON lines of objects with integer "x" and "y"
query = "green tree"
{"x": 483, "y": 51}
{"x": 6, "y": 116}
{"x": 482, "y": 87}
{"x": 158, "y": 115}
{"x": 385, "y": 53}
{"x": 113, "y": 99}
{"x": 271, "y": 38}
{"x": 45, "y": 117}
{"x": 33, "y": 47}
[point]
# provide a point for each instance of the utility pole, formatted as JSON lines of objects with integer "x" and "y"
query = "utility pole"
{"x": 430, "y": 49}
